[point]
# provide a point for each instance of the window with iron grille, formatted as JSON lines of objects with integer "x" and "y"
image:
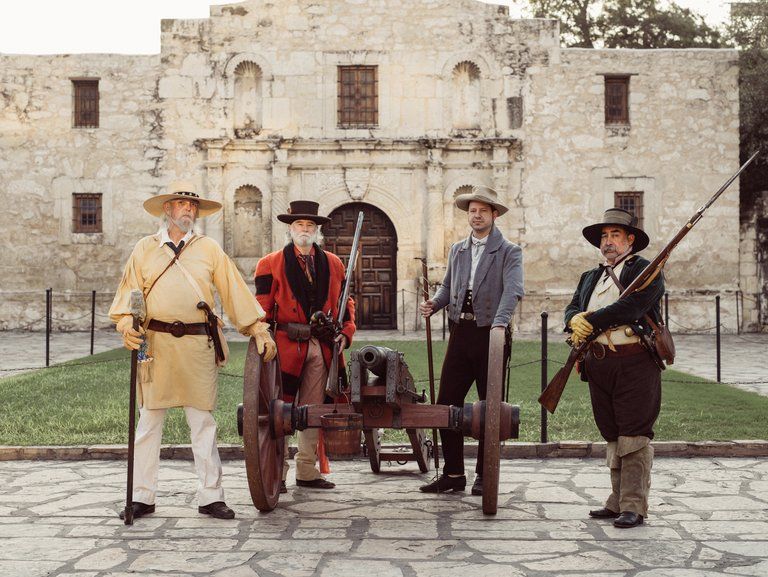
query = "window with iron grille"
{"x": 617, "y": 99}
{"x": 632, "y": 202}
{"x": 85, "y": 103}
{"x": 358, "y": 97}
{"x": 86, "y": 213}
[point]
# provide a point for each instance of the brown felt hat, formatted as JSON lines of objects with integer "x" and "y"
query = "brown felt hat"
{"x": 303, "y": 210}
{"x": 622, "y": 218}
{"x": 480, "y": 194}
{"x": 181, "y": 190}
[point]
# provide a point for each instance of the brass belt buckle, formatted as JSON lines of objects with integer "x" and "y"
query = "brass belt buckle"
{"x": 598, "y": 347}
{"x": 177, "y": 329}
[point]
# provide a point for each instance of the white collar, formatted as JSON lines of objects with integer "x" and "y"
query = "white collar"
{"x": 164, "y": 237}
{"x": 479, "y": 241}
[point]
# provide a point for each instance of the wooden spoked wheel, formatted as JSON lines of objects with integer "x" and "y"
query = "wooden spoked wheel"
{"x": 263, "y": 452}
{"x": 418, "y": 439}
{"x": 493, "y": 393}
{"x": 373, "y": 448}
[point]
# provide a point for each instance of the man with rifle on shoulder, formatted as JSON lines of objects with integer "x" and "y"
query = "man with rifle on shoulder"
{"x": 621, "y": 364}
{"x": 300, "y": 288}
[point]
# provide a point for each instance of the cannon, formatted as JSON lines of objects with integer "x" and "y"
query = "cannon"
{"x": 381, "y": 395}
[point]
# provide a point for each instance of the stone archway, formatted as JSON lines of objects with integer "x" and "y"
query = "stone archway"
{"x": 374, "y": 285}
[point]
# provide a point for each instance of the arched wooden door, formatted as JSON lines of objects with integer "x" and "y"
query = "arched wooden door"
{"x": 374, "y": 286}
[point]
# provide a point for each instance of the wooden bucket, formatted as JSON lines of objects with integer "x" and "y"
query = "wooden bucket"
{"x": 341, "y": 434}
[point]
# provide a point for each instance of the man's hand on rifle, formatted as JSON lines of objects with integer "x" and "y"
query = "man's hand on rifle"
{"x": 132, "y": 339}
{"x": 581, "y": 328}
{"x": 427, "y": 308}
{"x": 342, "y": 340}
{"x": 264, "y": 344}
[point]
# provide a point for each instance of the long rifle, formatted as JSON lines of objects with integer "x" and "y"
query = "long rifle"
{"x": 137, "y": 312}
{"x": 550, "y": 396}
{"x": 333, "y": 386}
{"x": 425, "y": 293}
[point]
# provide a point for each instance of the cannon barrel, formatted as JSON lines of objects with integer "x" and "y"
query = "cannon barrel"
{"x": 374, "y": 359}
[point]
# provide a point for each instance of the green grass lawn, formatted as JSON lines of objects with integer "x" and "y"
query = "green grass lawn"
{"x": 87, "y": 404}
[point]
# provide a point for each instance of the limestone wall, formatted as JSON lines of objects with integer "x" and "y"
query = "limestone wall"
{"x": 465, "y": 96}
{"x": 45, "y": 160}
{"x": 682, "y": 144}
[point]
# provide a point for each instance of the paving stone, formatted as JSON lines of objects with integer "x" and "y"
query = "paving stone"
{"x": 298, "y": 545}
{"x": 724, "y": 530}
{"x": 582, "y": 561}
{"x": 727, "y": 503}
{"x": 190, "y": 561}
{"x": 351, "y": 568}
{"x": 758, "y": 569}
{"x": 403, "y": 549}
{"x": 660, "y": 554}
{"x": 291, "y": 564}
{"x": 745, "y": 548}
{"x": 45, "y": 548}
{"x": 441, "y": 569}
{"x": 104, "y": 559}
{"x": 19, "y": 567}
{"x": 553, "y": 495}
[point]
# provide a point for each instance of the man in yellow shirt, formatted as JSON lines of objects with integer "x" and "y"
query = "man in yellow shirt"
{"x": 184, "y": 369}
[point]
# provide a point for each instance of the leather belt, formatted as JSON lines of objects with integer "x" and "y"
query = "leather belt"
{"x": 600, "y": 351}
{"x": 177, "y": 328}
{"x": 467, "y": 316}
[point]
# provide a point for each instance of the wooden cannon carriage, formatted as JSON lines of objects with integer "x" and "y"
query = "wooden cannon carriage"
{"x": 381, "y": 395}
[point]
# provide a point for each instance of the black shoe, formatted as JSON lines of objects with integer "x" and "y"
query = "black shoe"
{"x": 283, "y": 488}
{"x": 139, "y": 510}
{"x": 218, "y": 510}
{"x": 603, "y": 513}
{"x": 477, "y": 486}
{"x": 627, "y": 520}
{"x": 445, "y": 483}
{"x": 318, "y": 483}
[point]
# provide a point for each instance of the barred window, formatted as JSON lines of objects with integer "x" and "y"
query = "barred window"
{"x": 86, "y": 213}
{"x": 617, "y": 99}
{"x": 85, "y": 103}
{"x": 632, "y": 202}
{"x": 358, "y": 97}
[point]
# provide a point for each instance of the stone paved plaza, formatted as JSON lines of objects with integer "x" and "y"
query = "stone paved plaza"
{"x": 708, "y": 517}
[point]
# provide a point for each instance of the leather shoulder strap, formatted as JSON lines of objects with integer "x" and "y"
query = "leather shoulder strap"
{"x": 170, "y": 264}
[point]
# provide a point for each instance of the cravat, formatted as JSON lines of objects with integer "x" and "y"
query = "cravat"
{"x": 174, "y": 248}
{"x": 309, "y": 266}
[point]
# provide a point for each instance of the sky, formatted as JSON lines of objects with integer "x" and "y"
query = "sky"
{"x": 133, "y": 27}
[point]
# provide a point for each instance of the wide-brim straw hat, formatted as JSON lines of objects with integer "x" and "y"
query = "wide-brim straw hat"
{"x": 480, "y": 194}
{"x": 622, "y": 218}
{"x": 303, "y": 210}
{"x": 181, "y": 190}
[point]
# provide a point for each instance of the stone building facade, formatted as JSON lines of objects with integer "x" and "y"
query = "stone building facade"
{"x": 392, "y": 107}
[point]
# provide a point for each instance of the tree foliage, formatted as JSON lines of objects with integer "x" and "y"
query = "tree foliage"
{"x": 748, "y": 30}
{"x": 628, "y": 24}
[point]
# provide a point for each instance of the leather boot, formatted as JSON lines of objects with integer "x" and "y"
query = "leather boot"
{"x": 635, "y": 477}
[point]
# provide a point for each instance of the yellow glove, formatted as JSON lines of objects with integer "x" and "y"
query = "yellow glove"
{"x": 581, "y": 327}
{"x": 264, "y": 343}
{"x": 132, "y": 339}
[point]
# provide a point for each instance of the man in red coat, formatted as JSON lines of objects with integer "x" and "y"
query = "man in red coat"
{"x": 292, "y": 284}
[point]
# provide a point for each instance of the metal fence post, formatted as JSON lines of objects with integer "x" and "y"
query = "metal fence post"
{"x": 93, "y": 316}
{"x": 717, "y": 322}
{"x": 544, "y": 361}
{"x": 444, "y": 321}
{"x": 48, "y": 323}
{"x": 738, "y": 316}
{"x": 666, "y": 308}
{"x": 402, "y": 294}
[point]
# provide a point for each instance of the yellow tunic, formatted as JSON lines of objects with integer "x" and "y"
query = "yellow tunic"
{"x": 184, "y": 372}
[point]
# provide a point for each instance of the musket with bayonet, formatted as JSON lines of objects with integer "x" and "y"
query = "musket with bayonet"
{"x": 550, "y": 396}
{"x": 333, "y": 386}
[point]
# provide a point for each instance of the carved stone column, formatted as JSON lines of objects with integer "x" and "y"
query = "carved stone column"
{"x": 214, "y": 173}
{"x": 435, "y": 228}
{"x": 280, "y": 184}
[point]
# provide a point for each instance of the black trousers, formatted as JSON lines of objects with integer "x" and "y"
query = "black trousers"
{"x": 466, "y": 361}
{"x": 625, "y": 393}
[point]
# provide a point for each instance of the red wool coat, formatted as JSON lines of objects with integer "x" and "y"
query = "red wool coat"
{"x": 282, "y": 289}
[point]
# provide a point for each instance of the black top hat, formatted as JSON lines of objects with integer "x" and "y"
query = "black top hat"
{"x": 303, "y": 210}
{"x": 622, "y": 218}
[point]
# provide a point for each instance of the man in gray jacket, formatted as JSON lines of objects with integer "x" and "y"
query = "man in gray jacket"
{"x": 482, "y": 284}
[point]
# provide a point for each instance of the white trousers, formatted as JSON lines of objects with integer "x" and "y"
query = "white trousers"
{"x": 149, "y": 435}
